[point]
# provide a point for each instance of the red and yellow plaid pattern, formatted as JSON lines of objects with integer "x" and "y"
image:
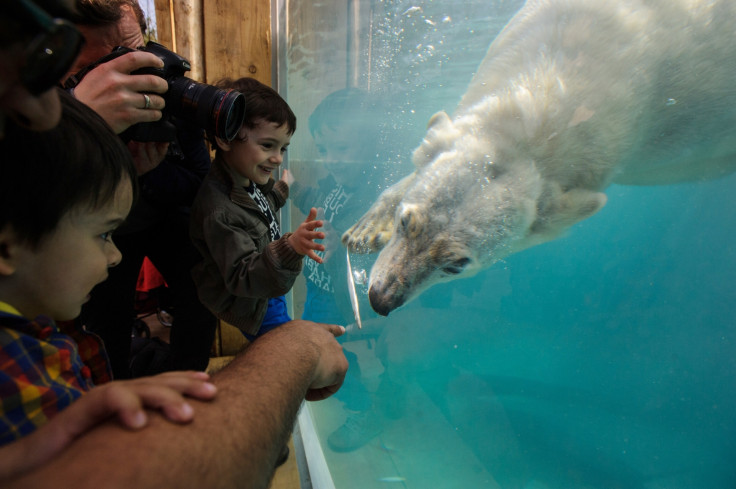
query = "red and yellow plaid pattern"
{"x": 42, "y": 372}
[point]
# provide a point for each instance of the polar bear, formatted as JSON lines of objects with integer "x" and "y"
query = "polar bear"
{"x": 573, "y": 95}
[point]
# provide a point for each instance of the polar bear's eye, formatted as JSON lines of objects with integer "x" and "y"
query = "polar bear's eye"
{"x": 405, "y": 220}
{"x": 456, "y": 267}
{"x": 410, "y": 220}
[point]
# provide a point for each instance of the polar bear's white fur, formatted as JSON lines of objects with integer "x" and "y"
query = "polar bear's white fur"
{"x": 572, "y": 96}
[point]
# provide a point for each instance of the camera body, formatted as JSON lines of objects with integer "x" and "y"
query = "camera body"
{"x": 219, "y": 112}
{"x": 174, "y": 68}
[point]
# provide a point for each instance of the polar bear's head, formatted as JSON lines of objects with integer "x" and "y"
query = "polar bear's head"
{"x": 470, "y": 205}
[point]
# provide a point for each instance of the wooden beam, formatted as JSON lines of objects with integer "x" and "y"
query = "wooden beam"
{"x": 221, "y": 38}
{"x": 189, "y": 35}
{"x": 164, "y": 33}
{"x": 237, "y": 39}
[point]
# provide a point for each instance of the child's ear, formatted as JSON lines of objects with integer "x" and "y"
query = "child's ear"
{"x": 8, "y": 251}
{"x": 222, "y": 144}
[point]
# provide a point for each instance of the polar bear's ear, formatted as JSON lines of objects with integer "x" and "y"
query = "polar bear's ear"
{"x": 440, "y": 120}
{"x": 440, "y": 134}
{"x": 567, "y": 209}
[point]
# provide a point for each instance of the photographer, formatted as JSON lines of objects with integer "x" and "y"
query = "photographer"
{"x": 110, "y": 89}
{"x": 157, "y": 227}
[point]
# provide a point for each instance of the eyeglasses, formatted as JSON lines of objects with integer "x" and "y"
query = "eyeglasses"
{"x": 51, "y": 53}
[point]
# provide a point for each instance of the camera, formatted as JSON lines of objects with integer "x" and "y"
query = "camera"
{"x": 219, "y": 112}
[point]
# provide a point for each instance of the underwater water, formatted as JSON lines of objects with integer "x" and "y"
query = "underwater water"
{"x": 602, "y": 359}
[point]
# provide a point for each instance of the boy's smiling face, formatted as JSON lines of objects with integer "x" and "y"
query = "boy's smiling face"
{"x": 256, "y": 154}
{"x": 56, "y": 277}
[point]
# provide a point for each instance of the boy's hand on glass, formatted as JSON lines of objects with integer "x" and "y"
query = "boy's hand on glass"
{"x": 302, "y": 239}
{"x": 332, "y": 239}
{"x": 287, "y": 177}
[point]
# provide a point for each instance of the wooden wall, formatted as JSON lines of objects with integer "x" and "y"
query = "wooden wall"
{"x": 221, "y": 38}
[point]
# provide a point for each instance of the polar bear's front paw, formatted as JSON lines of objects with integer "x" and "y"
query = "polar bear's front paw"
{"x": 372, "y": 231}
{"x": 367, "y": 235}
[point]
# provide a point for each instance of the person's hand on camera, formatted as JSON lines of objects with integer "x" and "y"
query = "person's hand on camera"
{"x": 120, "y": 98}
{"x": 125, "y": 400}
{"x": 148, "y": 155}
{"x": 302, "y": 239}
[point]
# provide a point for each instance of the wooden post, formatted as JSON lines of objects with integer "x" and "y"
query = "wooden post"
{"x": 164, "y": 18}
{"x": 188, "y": 33}
{"x": 237, "y": 39}
{"x": 221, "y": 38}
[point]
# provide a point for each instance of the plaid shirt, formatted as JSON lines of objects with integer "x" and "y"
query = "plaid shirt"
{"x": 43, "y": 370}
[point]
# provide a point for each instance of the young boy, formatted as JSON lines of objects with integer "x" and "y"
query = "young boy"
{"x": 248, "y": 265}
{"x": 62, "y": 193}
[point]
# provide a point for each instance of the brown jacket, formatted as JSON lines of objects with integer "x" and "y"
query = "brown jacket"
{"x": 241, "y": 268}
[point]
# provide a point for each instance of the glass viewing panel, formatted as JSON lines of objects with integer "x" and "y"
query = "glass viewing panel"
{"x": 598, "y": 351}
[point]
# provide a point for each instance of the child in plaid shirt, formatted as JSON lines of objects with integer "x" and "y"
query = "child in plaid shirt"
{"x": 62, "y": 193}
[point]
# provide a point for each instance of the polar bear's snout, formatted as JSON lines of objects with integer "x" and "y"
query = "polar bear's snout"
{"x": 391, "y": 281}
{"x": 382, "y": 302}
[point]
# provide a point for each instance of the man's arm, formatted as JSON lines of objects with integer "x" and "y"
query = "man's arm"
{"x": 234, "y": 441}
{"x": 123, "y": 400}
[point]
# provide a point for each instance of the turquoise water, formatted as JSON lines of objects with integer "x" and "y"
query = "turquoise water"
{"x": 603, "y": 359}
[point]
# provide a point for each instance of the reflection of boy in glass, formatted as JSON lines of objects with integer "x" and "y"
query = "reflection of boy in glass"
{"x": 346, "y": 127}
{"x": 347, "y": 135}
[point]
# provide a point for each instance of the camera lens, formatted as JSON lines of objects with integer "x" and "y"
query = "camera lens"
{"x": 230, "y": 114}
{"x": 218, "y": 111}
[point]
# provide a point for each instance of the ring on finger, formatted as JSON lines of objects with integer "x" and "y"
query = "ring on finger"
{"x": 147, "y": 99}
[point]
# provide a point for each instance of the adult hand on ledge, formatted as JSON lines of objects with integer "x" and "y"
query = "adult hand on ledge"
{"x": 234, "y": 440}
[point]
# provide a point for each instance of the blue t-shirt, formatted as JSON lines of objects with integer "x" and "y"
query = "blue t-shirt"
{"x": 276, "y": 314}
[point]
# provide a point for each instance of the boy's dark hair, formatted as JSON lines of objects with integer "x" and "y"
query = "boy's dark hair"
{"x": 341, "y": 107}
{"x": 262, "y": 103}
{"x": 44, "y": 175}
